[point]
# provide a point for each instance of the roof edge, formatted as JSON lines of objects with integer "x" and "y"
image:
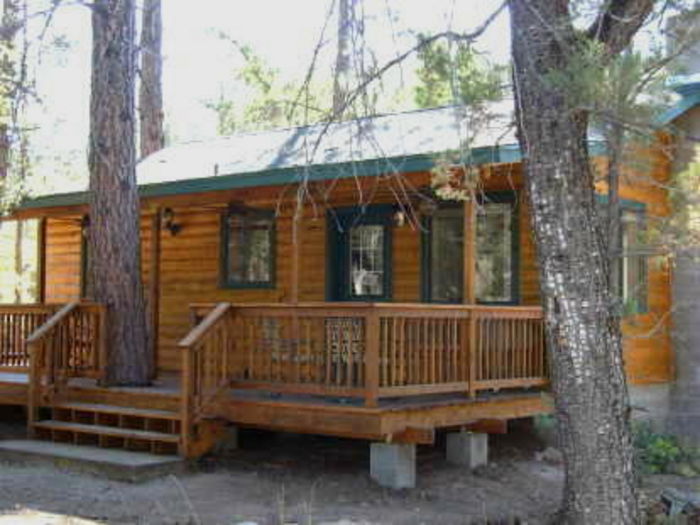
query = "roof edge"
{"x": 507, "y": 153}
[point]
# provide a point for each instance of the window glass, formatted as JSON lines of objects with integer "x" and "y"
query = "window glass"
{"x": 250, "y": 248}
{"x": 366, "y": 260}
{"x": 633, "y": 278}
{"x": 495, "y": 258}
{"x": 446, "y": 255}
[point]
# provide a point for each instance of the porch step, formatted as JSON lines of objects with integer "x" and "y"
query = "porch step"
{"x": 126, "y": 433}
{"x": 119, "y": 410}
{"x": 120, "y": 465}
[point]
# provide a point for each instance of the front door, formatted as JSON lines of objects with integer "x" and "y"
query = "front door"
{"x": 359, "y": 253}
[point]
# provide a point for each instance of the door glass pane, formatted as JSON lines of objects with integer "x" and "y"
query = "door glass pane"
{"x": 446, "y": 256}
{"x": 367, "y": 260}
{"x": 494, "y": 261}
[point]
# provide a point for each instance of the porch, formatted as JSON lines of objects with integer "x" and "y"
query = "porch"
{"x": 385, "y": 372}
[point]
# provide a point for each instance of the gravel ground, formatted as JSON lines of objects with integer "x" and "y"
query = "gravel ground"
{"x": 285, "y": 478}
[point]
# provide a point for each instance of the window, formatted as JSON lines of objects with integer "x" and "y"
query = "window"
{"x": 359, "y": 249}
{"x": 366, "y": 260}
{"x": 633, "y": 264}
{"x": 444, "y": 248}
{"x": 248, "y": 248}
{"x": 496, "y": 252}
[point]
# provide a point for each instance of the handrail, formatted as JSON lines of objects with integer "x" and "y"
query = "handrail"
{"x": 201, "y": 382}
{"x": 199, "y": 331}
{"x": 52, "y": 322}
{"x": 379, "y": 306}
{"x": 70, "y": 343}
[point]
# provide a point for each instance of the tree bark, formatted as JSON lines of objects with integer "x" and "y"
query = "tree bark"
{"x": 19, "y": 260}
{"x": 583, "y": 330}
{"x": 152, "y": 137}
{"x": 114, "y": 240}
{"x": 341, "y": 78}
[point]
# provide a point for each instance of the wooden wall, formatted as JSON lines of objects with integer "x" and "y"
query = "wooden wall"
{"x": 189, "y": 261}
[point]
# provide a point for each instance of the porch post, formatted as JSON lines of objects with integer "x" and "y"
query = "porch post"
{"x": 154, "y": 287}
{"x": 469, "y": 252}
{"x": 297, "y": 216}
{"x": 469, "y": 294}
{"x": 41, "y": 262}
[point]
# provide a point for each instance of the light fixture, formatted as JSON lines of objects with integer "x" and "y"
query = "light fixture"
{"x": 169, "y": 223}
{"x": 399, "y": 218}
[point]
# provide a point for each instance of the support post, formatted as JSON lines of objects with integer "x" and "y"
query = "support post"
{"x": 469, "y": 449}
{"x": 154, "y": 288}
{"x": 470, "y": 288}
{"x": 372, "y": 357}
{"x": 469, "y": 251}
{"x": 41, "y": 262}
{"x": 297, "y": 217}
{"x": 393, "y": 465}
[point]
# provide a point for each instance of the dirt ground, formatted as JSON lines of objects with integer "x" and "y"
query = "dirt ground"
{"x": 282, "y": 478}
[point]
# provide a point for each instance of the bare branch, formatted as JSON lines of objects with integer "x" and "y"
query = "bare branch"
{"x": 618, "y": 21}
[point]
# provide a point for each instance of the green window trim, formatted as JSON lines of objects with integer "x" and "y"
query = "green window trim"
{"x": 340, "y": 221}
{"x": 246, "y": 216}
{"x": 497, "y": 197}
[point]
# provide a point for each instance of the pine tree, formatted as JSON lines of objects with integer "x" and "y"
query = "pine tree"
{"x": 151, "y": 133}
{"x": 114, "y": 243}
{"x": 583, "y": 330}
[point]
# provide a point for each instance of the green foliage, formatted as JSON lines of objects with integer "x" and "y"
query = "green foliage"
{"x": 627, "y": 88}
{"x": 656, "y": 453}
{"x": 456, "y": 74}
{"x": 269, "y": 101}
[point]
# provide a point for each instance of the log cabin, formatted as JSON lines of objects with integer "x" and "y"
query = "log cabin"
{"x": 328, "y": 279}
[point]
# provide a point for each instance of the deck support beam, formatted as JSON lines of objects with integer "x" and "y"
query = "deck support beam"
{"x": 393, "y": 465}
{"x": 468, "y": 449}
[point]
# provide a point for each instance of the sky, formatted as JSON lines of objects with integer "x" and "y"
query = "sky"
{"x": 199, "y": 65}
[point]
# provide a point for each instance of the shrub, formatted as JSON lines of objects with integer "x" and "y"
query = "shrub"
{"x": 655, "y": 452}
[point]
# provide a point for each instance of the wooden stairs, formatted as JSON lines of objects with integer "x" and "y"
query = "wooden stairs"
{"x": 112, "y": 426}
{"x": 147, "y": 419}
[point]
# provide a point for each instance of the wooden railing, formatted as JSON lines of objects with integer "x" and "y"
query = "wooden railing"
{"x": 71, "y": 343}
{"x": 206, "y": 369}
{"x": 17, "y": 322}
{"x": 364, "y": 350}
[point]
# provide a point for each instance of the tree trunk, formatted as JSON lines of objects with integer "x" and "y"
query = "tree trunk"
{"x": 114, "y": 241}
{"x": 583, "y": 331}
{"x": 341, "y": 78}
{"x": 19, "y": 260}
{"x": 150, "y": 92}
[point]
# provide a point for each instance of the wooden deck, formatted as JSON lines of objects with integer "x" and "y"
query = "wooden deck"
{"x": 381, "y": 372}
{"x": 393, "y": 419}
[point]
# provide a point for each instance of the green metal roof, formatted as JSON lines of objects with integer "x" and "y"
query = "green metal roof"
{"x": 398, "y": 143}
